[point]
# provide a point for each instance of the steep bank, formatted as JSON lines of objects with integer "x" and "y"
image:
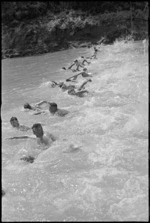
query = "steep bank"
{"x": 54, "y": 32}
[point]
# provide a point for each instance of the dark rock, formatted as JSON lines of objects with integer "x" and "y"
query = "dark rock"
{"x": 29, "y": 159}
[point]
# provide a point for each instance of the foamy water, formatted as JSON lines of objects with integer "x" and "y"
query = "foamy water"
{"x": 97, "y": 169}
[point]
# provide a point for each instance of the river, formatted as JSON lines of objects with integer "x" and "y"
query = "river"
{"x": 106, "y": 177}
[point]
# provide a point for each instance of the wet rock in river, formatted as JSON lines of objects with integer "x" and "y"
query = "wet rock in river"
{"x": 29, "y": 159}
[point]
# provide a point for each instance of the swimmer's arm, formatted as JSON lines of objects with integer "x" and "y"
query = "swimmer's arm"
{"x": 85, "y": 61}
{"x": 84, "y": 91}
{"x": 88, "y": 74}
{"x": 71, "y": 66}
{"x": 103, "y": 38}
{"x": 74, "y": 77}
{"x": 20, "y": 137}
{"x": 40, "y": 112}
{"x": 91, "y": 56}
{"x": 54, "y": 82}
{"x": 80, "y": 65}
{"x": 24, "y": 128}
{"x": 69, "y": 79}
{"x": 84, "y": 83}
{"x": 41, "y": 102}
{"x": 79, "y": 74}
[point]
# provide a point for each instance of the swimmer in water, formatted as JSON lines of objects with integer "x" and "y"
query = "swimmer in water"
{"x": 73, "y": 78}
{"x": 64, "y": 68}
{"x": 84, "y": 83}
{"x": 55, "y": 111}
{"x": 65, "y": 87}
{"x": 84, "y": 60}
{"x": 15, "y": 124}
{"x": 79, "y": 93}
{"x": 36, "y": 108}
{"x": 77, "y": 63}
{"x": 19, "y": 137}
{"x": 42, "y": 137}
{"x": 28, "y": 106}
{"x": 53, "y": 84}
{"x": 83, "y": 74}
{"x": 101, "y": 40}
{"x": 95, "y": 53}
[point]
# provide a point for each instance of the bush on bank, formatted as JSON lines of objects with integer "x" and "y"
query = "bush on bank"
{"x": 49, "y": 32}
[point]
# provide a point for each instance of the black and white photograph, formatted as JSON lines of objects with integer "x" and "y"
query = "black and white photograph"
{"x": 74, "y": 111}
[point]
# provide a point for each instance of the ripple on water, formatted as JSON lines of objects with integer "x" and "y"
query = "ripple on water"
{"x": 97, "y": 168}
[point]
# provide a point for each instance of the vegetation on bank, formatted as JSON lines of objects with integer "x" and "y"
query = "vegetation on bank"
{"x": 31, "y": 28}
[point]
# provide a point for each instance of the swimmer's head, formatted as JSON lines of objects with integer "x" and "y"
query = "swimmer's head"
{"x": 37, "y": 130}
{"x": 14, "y": 122}
{"x": 82, "y": 56}
{"x": 61, "y": 84}
{"x": 53, "y": 108}
{"x": 85, "y": 69}
{"x": 68, "y": 80}
{"x": 71, "y": 91}
{"x": 27, "y": 106}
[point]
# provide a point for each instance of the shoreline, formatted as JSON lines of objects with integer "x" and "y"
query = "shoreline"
{"x": 67, "y": 30}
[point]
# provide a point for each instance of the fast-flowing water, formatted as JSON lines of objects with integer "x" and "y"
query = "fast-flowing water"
{"x": 105, "y": 178}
